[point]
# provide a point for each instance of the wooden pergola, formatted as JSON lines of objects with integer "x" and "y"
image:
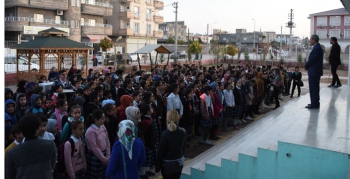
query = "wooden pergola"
{"x": 51, "y": 43}
{"x": 148, "y": 49}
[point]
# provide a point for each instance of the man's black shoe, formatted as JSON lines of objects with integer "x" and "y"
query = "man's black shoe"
{"x": 330, "y": 86}
{"x": 312, "y": 107}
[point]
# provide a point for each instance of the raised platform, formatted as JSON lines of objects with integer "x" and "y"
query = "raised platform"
{"x": 327, "y": 128}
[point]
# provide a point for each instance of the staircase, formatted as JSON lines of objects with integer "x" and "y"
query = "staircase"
{"x": 290, "y": 142}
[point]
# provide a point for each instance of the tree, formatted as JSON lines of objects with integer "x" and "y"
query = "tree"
{"x": 232, "y": 50}
{"x": 195, "y": 48}
{"x": 215, "y": 50}
{"x": 170, "y": 40}
{"x": 105, "y": 43}
{"x": 275, "y": 44}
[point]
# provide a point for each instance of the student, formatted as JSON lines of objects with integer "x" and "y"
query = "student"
{"x": 51, "y": 127}
{"x": 48, "y": 107}
{"x": 98, "y": 146}
{"x": 93, "y": 105}
{"x": 43, "y": 134}
{"x": 296, "y": 77}
{"x": 173, "y": 100}
{"x": 10, "y": 106}
{"x": 207, "y": 112}
{"x": 60, "y": 111}
{"x": 149, "y": 133}
{"x": 8, "y": 93}
{"x": 36, "y": 105}
{"x": 238, "y": 96}
{"x": 75, "y": 115}
{"x": 18, "y": 138}
{"x": 137, "y": 98}
{"x": 125, "y": 101}
{"x": 21, "y": 104}
{"x": 76, "y": 163}
{"x": 217, "y": 109}
{"x": 129, "y": 149}
{"x": 56, "y": 90}
{"x": 34, "y": 158}
{"x": 111, "y": 121}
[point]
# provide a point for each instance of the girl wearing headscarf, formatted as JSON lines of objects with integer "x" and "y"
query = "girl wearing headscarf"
{"x": 128, "y": 153}
{"x": 125, "y": 101}
{"x": 52, "y": 128}
{"x": 133, "y": 114}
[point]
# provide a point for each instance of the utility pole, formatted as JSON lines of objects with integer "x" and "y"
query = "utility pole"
{"x": 254, "y": 40}
{"x": 175, "y": 48}
{"x": 290, "y": 25}
{"x": 207, "y": 37}
{"x": 280, "y": 44}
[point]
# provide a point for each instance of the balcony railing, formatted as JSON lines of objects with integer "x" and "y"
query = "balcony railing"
{"x": 28, "y": 19}
{"x": 97, "y": 25}
{"x": 97, "y": 4}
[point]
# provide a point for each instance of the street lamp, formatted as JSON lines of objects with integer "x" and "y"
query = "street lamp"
{"x": 254, "y": 37}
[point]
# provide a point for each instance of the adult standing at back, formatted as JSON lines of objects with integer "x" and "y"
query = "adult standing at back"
{"x": 334, "y": 60}
{"x": 314, "y": 67}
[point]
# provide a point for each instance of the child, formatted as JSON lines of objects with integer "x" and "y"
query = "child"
{"x": 10, "y": 106}
{"x": 56, "y": 90}
{"x": 60, "y": 111}
{"x": 148, "y": 129}
{"x": 207, "y": 112}
{"x": 137, "y": 98}
{"x": 108, "y": 95}
{"x": 238, "y": 104}
{"x": 18, "y": 138}
{"x": 49, "y": 108}
{"x": 75, "y": 115}
{"x": 21, "y": 104}
{"x": 8, "y": 93}
{"x": 52, "y": 128}
{"x": 98, "y": 145}
{"x": 76, "y": 163}
{"x": 43, "y": 134}
{"x": 36, "y": 105}
{"x": 111, "y": 120}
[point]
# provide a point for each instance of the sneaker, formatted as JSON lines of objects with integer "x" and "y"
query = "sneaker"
{"x": 337, "y": 86}
{"x": 248, "y": 118}
{"x": 244, "y": 121}
{"x": 330, "y": 86}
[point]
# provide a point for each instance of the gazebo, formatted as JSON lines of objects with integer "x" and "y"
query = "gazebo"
{"x": 148, "y": 49}
{"x": 52, "y": 42}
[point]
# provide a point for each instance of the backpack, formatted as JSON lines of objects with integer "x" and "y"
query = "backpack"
{"x": 60, "y": 165}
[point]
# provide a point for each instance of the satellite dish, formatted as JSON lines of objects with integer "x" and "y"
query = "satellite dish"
{"x": 119, "y": 38}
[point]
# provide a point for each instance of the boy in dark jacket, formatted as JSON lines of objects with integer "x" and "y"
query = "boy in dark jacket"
{"x": 10, "y": 107}
{"x": 36, "y": 105}
{"x": 21, "y": 104}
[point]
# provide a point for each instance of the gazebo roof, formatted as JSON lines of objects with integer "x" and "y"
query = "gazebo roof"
{"x": 150, "y": 48}
{"x": 52, "y": 30}
{"x": 48, "y": 42}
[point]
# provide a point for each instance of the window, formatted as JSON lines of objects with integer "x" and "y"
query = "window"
{"x": 78, "y": 3}
{"x": 321, "y": 21}
{"x": 149, "y": 28}
{"x": 77, "y": 24}
{"x": 58, "y": 19}
{"x": 347, "y": 34}
{"x": 128, "y": 25}
{"x": 334, "y": 33}
{"x": 92, "y": 22}
{"x": 322, "y": 33}
{"x": 74, "y": 2}
{"x": 335, "y": 20}
{"x": 149, "y": 1}
{"x": 149, "y": 12}
{"x": 136, "y": 9}
{"x": 347, "y": 20}
{"x": 38, "y": 18}
{"x": 72, "y": 24}
{"x": 136, "y": 29}
{"x": 82, "y": 21}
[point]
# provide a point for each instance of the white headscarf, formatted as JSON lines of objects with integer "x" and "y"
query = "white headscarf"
{"x": 131, "y": 113}
{"x": 126, "y": 135}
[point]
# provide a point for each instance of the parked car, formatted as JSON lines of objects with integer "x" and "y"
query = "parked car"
{"x": 133, "y": 56}
{"x": 99, "y": 56}
{"x": 180, "y": 55}
{"x": 228, "y": 56}
{"x": 10, "y": 64}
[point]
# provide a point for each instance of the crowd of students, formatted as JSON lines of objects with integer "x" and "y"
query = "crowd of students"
{"x": 86, "y": 125}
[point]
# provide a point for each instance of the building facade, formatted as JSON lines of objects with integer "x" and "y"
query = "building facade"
{"x": 333, "y": 23}
{"x": 247, "y": 39}
{"x": 168, "y": 29}
{"x": 136, "y": 22}
{"x": 82, "y": 19}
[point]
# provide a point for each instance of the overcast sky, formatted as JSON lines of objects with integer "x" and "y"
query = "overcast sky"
{"x": 232, "y": 14}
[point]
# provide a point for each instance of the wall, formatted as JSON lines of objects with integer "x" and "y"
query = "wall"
{"x": 73, "y": 13}
{"x": 29, "y": 12}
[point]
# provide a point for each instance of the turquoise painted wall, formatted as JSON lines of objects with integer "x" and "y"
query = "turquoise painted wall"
{"x": 307, "y": 162}
{"x": 302, "y": 162}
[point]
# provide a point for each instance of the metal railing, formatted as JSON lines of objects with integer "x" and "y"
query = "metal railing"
{"x": 97, "y": 3}
{"x": 28, "y": 19}
{"x": 97, "y": 25}
{"x": 125, "y": 27}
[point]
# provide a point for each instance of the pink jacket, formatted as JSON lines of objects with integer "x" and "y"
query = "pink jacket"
{"x": 97, "y": 141}
{"x": 77, "y": 161}
{"x": 204, "y": 108}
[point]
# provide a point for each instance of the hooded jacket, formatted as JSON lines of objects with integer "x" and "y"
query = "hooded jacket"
{"x": 19, "y": 109}
{"x": 14, "y": 116}
{"x": 35, "y": 108}
{"x": 8, "y": 90}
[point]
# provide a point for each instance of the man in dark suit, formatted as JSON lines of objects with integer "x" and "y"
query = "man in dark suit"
{"x": 334, "y": 60}
{"x": 314, "y": 67}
